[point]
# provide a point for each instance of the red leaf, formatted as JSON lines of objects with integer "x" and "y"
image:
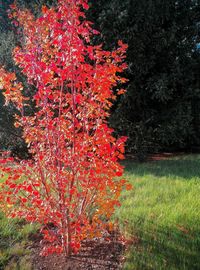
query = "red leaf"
{"x": 119, "y": 173}
{"x": 85, "y": 5}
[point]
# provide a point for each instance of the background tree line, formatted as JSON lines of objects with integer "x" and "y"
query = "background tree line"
{"x": 161, "y": 108}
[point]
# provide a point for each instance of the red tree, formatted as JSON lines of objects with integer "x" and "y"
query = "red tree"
{"x": 71, "y": 180}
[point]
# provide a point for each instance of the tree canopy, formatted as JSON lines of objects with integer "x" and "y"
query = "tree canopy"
{"x": 161, "y": 107}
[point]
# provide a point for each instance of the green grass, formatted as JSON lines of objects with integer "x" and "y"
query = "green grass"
{"x": 162, "y": 214}
{"x": 14, "y": 237}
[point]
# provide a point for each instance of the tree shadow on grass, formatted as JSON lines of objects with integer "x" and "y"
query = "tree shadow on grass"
{"x": 186, "y": 167}
{"x": 165, "y": 249}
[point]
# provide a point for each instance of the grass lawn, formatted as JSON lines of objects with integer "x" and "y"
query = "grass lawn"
{"x": 14, "y": 237}
{"x": 162, "y": 214}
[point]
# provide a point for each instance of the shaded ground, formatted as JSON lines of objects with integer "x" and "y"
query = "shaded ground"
{"x": 104, "y": 253}
{"x": 156, "y": 157}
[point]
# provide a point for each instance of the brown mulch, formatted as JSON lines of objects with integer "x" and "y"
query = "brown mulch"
{"x": 105, "y": 253}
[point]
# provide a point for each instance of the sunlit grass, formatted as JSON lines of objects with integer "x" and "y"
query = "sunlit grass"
{"x": 163, "y": 213}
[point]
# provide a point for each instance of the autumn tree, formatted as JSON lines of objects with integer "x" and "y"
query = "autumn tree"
{"x": 72, "y": 181}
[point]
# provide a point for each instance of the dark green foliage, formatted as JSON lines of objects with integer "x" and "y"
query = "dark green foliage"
{"x": 161, "y": 108}
{"x": 8, "y": 134}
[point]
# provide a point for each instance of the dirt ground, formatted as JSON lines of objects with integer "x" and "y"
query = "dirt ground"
{"x": 105, "y": 253}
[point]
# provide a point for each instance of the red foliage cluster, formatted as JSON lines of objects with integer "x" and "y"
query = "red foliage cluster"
{"x": 71, "y": 181}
